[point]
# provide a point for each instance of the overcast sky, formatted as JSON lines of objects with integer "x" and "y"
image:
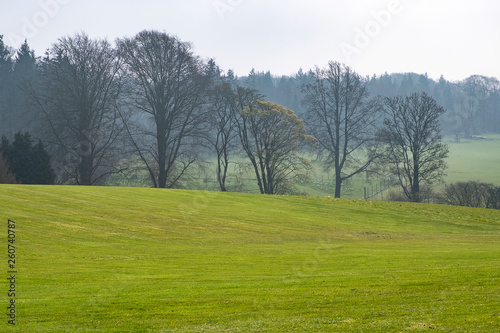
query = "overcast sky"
{"x": 454, "y": 38}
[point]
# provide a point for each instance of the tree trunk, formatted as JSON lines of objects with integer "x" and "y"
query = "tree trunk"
{"x": 221, "y": 175}
{"x": 162, "y": 155}
{"x": 415, "y": 191}
{"x": 338, "y": 183}
{"x": 85, "y": 169}
{"x": 85, "y": 165}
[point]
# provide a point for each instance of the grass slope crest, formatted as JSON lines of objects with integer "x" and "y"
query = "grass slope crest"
{"x": 148, "y": 260}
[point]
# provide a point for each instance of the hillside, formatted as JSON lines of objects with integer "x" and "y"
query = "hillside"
{"x": 135, "y": 259}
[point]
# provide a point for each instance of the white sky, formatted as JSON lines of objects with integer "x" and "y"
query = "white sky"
{"x": 455, "y": 38}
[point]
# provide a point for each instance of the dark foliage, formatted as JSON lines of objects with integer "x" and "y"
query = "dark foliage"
{"x": 29, "y": 162}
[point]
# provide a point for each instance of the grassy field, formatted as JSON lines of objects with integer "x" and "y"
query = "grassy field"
{"x": 474, "y": 159}
{"x": 147, "y": 260}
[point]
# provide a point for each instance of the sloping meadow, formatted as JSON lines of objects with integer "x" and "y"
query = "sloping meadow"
{"x": 138, "y": 260}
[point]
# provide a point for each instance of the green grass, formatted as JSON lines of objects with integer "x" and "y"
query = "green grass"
{"x": 148, "y": 260}
{"x": 476, "y": 160}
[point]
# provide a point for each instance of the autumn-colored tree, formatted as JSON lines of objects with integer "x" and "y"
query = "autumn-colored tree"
{"x": 271, "y": 136}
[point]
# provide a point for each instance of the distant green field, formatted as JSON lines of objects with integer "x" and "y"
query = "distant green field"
{"x": 474, "y": 159}
{"x": 147, "y": 260}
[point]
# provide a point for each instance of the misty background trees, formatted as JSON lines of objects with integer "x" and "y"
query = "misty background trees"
{"x": 75, "y": 94}
{"x": 148, "y": 110}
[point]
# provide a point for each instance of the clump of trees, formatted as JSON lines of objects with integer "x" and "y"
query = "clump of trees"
{"x": 472, "y": 194}
{"x": 150, "y": 98}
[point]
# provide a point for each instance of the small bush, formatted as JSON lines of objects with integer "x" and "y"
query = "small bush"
{"x": 472, "y": 194}
{"x": 397, "y": 195}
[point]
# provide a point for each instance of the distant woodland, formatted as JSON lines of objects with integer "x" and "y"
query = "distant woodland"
{"x": 472, "y": 105}
{"x": 92, "y": 104}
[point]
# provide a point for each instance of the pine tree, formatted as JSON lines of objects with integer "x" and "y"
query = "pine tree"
{"x": 30, "y": 163}
{"x": 24, "y": 72}
{"x": 5, "y": 78}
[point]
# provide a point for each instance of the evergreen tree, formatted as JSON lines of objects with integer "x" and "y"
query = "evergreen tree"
{"x": 5, "y": 84}
{"x": 25, "y": 63}
{"x": 30, "y": 163}
{"x": 6, "y": 176}
{"x": 251, "y": 80}
{"x": 23, "y": 74}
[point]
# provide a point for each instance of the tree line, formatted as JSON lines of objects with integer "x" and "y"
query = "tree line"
{"x": 93, "y": 105}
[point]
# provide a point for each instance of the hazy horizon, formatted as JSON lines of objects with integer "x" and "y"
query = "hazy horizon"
{"x": 449, "y": 38}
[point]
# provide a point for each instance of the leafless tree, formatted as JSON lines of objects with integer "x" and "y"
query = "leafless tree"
{"x": 169, "y": 93}
{"x": 76, "y": 92}
{"x": 412, "y": 139}
{"x": 343, "y": 120}
{"x": 223, "y": 107}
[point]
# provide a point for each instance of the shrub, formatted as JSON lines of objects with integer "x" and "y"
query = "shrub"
{"x": 472, "y": 194}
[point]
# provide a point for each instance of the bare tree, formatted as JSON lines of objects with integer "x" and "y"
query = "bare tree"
{"x": 412, "y": 138}
{"x": 223, "y": 105}
{"x": 76, "y": 92}
{"x": 342, "y": 119}
{"x": 169, "y": 89}
{"x": 271, "y": 137}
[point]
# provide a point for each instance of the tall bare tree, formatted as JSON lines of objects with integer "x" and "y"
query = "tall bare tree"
{"x": 169, "y": 90}
{"x": 223, "y": 105}
{"x": 271, "y": 137}
{"x": 412, "y": 139}
{"x": 76, "y": 92}
{"x": 343, "y": 120}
